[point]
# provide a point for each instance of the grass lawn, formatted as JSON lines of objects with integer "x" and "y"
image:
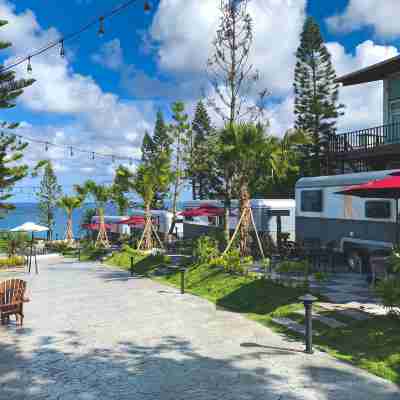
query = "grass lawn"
{"x": 373, "y": 344}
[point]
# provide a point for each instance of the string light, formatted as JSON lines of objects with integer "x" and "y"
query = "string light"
{"x": 71, "y": 151}
{"x": 29, "y": 67}
{"x": 46, "y": 146}
{"x": 115, "y": 11}
{"x": 93, "y": 156}
{"x": 147, "y": 7}
{"x": 62, "y": 50}
{"x": 130, "y": 161}
{"x": 101, "y": 30}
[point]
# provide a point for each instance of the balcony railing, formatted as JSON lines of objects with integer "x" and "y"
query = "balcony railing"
{"x": 365, "y": 139}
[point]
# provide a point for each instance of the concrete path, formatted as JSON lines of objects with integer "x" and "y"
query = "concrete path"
{"x": 92, "y": 333}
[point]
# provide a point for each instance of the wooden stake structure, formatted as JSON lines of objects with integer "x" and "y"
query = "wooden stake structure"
{"x": 246, "y": 211}
{"x": 102, "y": 237}
{"x": 149, "y": 226}
{"x": 69, "y": 235}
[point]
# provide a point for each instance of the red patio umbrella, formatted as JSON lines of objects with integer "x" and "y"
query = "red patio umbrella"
{"x": 96, "y": 227}
{"x": 388, "y": 187}
{"x": 133, "y": 220}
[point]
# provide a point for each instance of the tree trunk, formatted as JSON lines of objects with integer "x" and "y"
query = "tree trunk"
{"x": 176, "y": 186}
{"x": 245, "y": 205}
{"x": 69, "y": 235}
{"x": 227, "y": 206}
{"x": 102, "y": 237}
{"x": 147, "y": 235}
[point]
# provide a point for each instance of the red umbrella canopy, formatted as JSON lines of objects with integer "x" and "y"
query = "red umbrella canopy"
{"x": 388, "y": 187}
{"x": 134, "y": 220}
{"x": 96, "y": 227}
{"x": 192, "y": 212}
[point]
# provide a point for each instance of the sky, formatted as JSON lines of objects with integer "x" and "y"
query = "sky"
{"x": 105, "y": 93}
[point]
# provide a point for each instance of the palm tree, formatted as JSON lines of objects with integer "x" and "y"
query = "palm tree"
{"x": 69, "y": 204}
{"x": 101, "y": 194}
{"x": 246, "y": 147}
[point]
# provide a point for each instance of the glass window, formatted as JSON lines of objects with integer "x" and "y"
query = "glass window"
{"x": 311, "y": 200}
{"x": 378, "y": 209}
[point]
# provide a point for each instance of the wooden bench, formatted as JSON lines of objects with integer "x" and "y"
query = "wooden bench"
{"x": 12, "y": 299}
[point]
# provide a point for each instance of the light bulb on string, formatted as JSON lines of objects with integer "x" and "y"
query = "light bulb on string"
{"x": 101, "y": 30}
{"x": 71, "y": 152}
{"x": 113, "y": 159}
{"x": 46, "y": 146}
{"x": 147, "y": 7}
{"x": 62, "y": 50}
{"x": 130, "y": 161}
{"x": 93, "y": 156}
{"x": 29, "y": 66}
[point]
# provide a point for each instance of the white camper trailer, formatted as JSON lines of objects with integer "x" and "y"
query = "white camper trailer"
{"x": 270, "y": 216}
{"x": 162, "y": 217}
{"x": 351, "y": 225}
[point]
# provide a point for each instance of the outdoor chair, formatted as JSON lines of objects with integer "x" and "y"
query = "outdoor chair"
{"x": 12, "y": 299}
{"x": 379, "y": 263}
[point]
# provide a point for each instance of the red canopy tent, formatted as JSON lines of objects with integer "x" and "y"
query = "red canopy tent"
{"x": 133, "y": 220}
{"x": 96, "y": 227}
{"x": 388, "y": 188}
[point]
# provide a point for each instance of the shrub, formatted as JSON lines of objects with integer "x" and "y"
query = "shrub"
{"x": 16, "y": 242}
{"x": 205, "y": 250}
{"x": 12, "y": 261}
{"x": 288, "y": 267}
{"x": 231, "y": 262}
{"x": 389, "y": 291}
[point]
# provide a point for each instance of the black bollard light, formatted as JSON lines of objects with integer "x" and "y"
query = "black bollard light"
{"x": 131, "y": 266}
{"x": 308, "y": 301}
{"x": 79, "y": 254}
{"x": 182, "y": 270}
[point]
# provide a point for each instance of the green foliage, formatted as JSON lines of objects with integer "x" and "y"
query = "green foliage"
{"x": 11, "y": 150}
{"x": 316, "y": 95}
{"x": 17, "y": 242}
{"x": 232, "y": 262}
{"x": 389, "y": 291}
{"x": 202, "y": 163}
{"x": 60, "y": 247}
{"x": 50, "y": 192}
{"x": 13, "y": 261}
{"x": 206, "y": 248}
{"x": 394, "y": 259}
{"x": 288, "y": 267}
{"x": 321, "y": 276}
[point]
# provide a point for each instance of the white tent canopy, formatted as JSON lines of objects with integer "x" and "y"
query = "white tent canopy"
{"x": 30, "y": 227}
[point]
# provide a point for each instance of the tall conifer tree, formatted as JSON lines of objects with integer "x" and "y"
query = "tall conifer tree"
{"x": 48, "y": 196}
{"x": 11, "y": 149}
{"x": 202, "y": 168}
{"x": 316, "y": 97}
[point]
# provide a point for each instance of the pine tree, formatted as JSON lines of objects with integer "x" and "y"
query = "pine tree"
{"x": 11, "y": 149}
{"x": 154, "y": 147}
{"x": 316, "y": 96}
{"x": 201, "y": 165}
{"x": 48, "y": 196}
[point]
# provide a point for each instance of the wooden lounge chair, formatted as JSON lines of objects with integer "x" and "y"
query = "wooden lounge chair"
{"x": 12, "y": 299}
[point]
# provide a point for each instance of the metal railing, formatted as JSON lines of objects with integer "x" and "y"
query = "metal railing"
{"x": 365, "y": 139}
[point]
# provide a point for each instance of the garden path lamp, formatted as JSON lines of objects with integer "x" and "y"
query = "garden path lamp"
{"x": 308, "y": 301}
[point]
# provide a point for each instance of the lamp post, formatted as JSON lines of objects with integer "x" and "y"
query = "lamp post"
{"x": 182, "y": 270}
{"x": 308, "y": 301}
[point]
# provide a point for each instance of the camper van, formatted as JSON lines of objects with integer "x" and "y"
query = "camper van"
{"x": 270, "y": 216}
{"x": 351, "y": 225}
{"x": 163, "y": 219}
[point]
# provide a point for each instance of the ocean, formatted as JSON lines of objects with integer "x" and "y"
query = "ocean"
{"x": 29, "y": 212}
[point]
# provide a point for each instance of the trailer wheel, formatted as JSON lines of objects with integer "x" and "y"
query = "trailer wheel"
{"x": 355, "y": 261}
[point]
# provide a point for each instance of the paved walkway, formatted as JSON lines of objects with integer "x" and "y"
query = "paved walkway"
{"x": 92, "y": 333}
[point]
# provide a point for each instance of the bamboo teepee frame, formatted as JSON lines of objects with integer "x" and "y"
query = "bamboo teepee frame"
{"x": 102, "y": 237}
{"x": 247, "y": 212}
{"x": 69, "y": 235}
{"x": 149, "y": 226}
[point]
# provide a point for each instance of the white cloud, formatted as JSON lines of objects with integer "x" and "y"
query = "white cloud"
{"x": 96, "y": 117}
{"x": 380, "y": 15}
{"x": 184, "y": 31}
{"x": 363, "y": 102}
{"x": 110, "y": 55}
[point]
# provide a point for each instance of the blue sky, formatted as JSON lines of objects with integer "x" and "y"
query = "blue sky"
{"x": 105, "y": 93}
